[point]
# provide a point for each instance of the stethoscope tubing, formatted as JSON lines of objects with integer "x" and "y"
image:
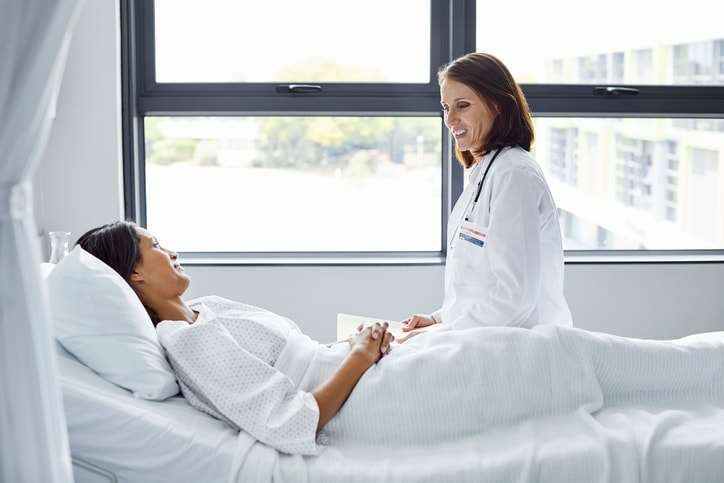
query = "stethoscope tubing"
{"x": 480, "y": 184}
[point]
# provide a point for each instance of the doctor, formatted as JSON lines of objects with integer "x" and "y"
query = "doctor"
{"x": 505, "y": 257}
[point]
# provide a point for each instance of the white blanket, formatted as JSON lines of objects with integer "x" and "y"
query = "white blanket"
{"x": 158, "y": 442}
{"x": 443, "y": 386}
{"x": 443, "y": 389}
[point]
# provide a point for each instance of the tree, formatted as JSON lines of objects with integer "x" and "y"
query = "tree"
{"x": 310, "y": 141}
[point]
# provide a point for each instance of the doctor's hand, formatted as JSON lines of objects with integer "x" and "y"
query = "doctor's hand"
{"x": 416, "y": 325}
{"x": 417, "y": 321}
{"x": 409, "y": 335}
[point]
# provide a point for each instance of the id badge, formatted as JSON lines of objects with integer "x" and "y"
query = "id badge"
{"x": 472, "y": 233}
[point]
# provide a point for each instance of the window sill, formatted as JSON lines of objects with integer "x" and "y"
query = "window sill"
{"x": 311, "y": 260}
{"x": 332, "y": 259}
{"x": 644, "y": 257}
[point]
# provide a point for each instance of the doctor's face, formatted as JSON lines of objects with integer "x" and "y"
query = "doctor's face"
{"x": 466, "y": 115}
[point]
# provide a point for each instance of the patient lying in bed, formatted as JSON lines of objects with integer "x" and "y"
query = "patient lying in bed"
{"x": 255, "y": 370}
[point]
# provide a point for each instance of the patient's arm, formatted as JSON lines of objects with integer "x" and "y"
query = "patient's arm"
{"x": 367, "y": 348}
{"x": 337, "y": 342}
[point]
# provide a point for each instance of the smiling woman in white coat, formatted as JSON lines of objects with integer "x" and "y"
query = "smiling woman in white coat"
{"x": 505, "y": 253}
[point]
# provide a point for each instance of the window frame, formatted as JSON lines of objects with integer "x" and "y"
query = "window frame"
{"x": 452, "y": 34}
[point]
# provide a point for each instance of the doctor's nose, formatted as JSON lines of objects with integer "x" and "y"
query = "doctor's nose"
{"x": 450, "y": 120}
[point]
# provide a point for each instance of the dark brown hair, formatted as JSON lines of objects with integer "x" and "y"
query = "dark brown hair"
{"x": 117, "y": 245}
{"x": 493, "y": 82}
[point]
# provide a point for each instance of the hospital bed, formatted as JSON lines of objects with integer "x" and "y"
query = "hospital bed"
{"x": 115, "y": 436}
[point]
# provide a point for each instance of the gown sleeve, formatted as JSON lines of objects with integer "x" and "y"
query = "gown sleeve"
{"x": 250, "y": 394}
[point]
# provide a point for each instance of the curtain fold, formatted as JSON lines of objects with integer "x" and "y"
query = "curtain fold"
{"x": 34, "y": 39}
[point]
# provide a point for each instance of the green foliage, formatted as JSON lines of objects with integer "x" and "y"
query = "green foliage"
{"x": 169, "y": 151}
{"x": 320, "y": 141}
{"x": 152, "y": 128}
{"x": 320, "y": 69}
{"x": 362, "y": 163}
{"x": 206, "y": 153}
{"x": 353, "y": 144}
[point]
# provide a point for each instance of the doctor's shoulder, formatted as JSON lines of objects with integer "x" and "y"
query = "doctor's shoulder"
{"x": 519, "y": 167}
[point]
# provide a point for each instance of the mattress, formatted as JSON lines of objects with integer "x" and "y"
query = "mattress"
{"x": 135, "y": 440}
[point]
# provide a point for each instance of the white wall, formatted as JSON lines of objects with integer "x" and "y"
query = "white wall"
{"x": 79, "y": 184}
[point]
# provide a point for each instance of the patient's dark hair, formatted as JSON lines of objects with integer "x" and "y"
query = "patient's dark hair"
{"x": 116, "y": 244}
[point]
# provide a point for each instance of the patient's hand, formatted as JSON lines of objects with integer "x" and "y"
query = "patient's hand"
{"x": 330, "y": 344}
{"x": 373, "y": 340}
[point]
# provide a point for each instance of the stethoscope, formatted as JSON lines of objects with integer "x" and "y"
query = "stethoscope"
{"x": 477, "y": 196}
{"x": 480, "y": 184}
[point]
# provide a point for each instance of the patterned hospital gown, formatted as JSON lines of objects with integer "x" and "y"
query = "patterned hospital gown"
{"x": 254, "y": 369}
{"x": 231, "y": 339}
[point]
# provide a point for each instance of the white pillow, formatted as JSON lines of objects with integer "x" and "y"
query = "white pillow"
{"x": 45, "y": 269}
{"x": 99, "y": 319}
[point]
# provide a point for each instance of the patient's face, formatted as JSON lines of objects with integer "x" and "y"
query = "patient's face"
{"x": 159, "y": 273}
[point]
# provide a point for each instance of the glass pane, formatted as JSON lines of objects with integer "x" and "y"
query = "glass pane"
{"x": 630, "y": 184}
{"x": 299, "y": 184}
{"x": 617, "y": 41}
{"x": 292, "y": 41}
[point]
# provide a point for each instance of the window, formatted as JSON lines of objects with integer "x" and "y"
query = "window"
{"x": 251, "y": 134}
{"x": 256, "y": 134}
{"x": 628, "y": 126}
{"x": 236, "y": 41}
{"x": 294, "y": 184}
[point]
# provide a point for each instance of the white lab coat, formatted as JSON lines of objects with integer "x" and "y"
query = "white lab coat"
{"x": 507, "y": 269}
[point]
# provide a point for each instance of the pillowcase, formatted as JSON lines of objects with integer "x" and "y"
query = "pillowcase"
{"x": 99, "y": 319}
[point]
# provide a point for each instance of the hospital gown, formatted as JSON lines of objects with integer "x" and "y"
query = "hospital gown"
{"x": 254, "y": 369}
{"x": 225, "y": 362}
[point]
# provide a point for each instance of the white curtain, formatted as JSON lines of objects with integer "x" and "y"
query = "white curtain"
{"x": 34, "y": 38}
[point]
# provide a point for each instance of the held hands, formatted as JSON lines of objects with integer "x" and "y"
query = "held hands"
{"x": 373, "y": 340}
{"x": 368, "y": 345}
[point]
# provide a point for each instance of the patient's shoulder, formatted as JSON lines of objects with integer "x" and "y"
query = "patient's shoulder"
{"x": 222, "y": 306}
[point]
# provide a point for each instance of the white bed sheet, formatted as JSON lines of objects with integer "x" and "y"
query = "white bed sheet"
{"x": 670, "y": 445}
{"x": 139, "y": 440}
{"x": 169, "y": 441}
